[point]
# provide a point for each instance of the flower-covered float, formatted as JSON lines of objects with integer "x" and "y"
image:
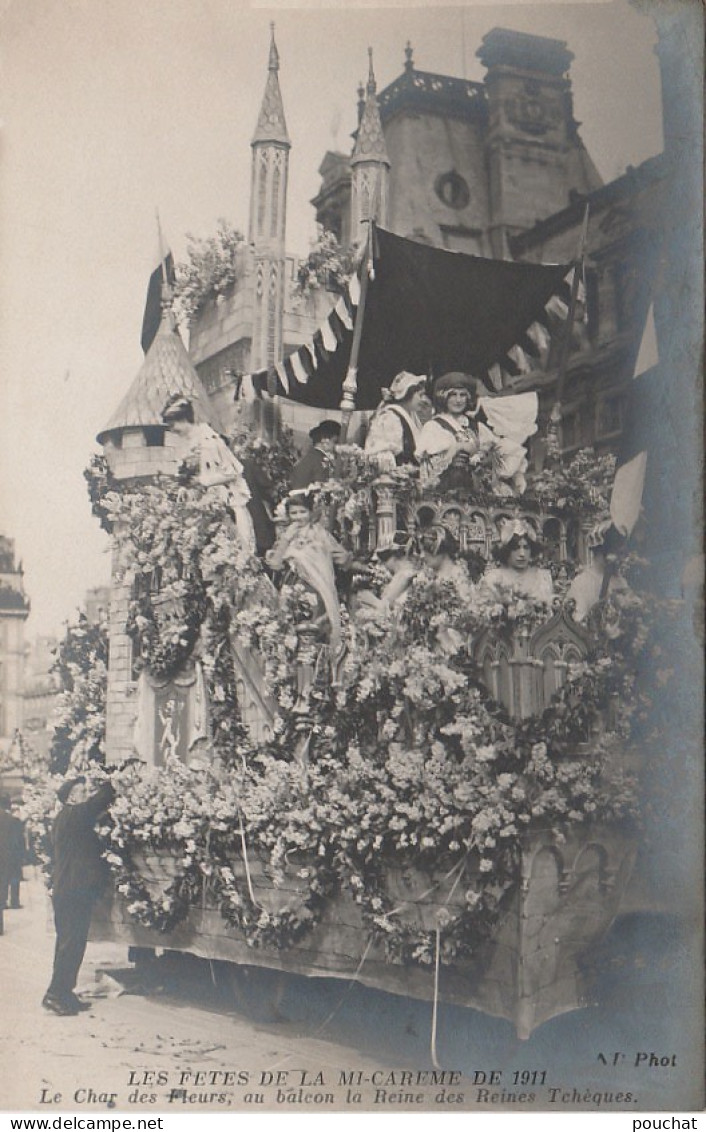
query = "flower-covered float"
{"x": 381, "y": 728}
{"x": 425, "y": 789}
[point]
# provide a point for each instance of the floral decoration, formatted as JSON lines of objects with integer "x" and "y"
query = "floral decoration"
{"x": 328, "y": 265}
{"x": 404, "y": 765}
{"x": 211, "y": 270}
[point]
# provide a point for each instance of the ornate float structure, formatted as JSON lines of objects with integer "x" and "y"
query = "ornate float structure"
{"x": 438, "y": 807}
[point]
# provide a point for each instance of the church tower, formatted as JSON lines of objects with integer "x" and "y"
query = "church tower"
{"x": 534, "y": 153}
{"x": 370, "y": 165}
{"x": 268, "y": 206}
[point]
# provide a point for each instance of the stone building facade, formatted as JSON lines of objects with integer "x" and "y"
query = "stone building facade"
{"x": 471, "y": 163}
{"x": 14, "y": 611}
{"x": 494, "y": 168}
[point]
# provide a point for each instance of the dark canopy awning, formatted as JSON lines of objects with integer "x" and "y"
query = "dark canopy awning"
{"x": 427, "y": 311}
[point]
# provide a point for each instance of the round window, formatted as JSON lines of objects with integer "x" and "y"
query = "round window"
{"x": 452, "y": 189}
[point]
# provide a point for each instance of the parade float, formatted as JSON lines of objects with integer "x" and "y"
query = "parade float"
{"x": 427, "y": 790}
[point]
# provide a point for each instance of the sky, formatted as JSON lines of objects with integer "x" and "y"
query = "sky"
{"x": 109, "y": 112}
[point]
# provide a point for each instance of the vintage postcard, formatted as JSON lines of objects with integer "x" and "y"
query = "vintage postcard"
{"x": 351, "y": 575}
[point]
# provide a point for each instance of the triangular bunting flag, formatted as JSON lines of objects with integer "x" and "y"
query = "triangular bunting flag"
{"x": 629, "y": 482}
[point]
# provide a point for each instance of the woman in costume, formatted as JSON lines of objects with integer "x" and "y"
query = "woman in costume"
{"x": 452, "y": 436}
{"x": 207, "y": 456}
{"x": 465, "y": 426}
{"x": 516, "y": 575}
{"x": 311, "y": 552}
{"x": 397, "y": 423}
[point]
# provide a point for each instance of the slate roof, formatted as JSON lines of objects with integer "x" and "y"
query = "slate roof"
{"x": 271, "y": 124}
{"x": 370, "y": 140}
{"x": 166, "y": 370}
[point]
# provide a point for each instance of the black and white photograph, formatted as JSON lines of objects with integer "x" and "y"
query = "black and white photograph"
{"x": 351, "y": 561}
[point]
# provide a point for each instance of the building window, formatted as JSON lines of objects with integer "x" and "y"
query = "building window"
{"x": 609, "y": 416}
{"x": 452, "y": 190}
{"x": 571, "y": 429}
{"x": 461, "y": 239}
{"x": 154, "y": 436}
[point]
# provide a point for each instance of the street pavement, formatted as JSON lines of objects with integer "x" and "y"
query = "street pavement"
{"x": 145, "y": 1041}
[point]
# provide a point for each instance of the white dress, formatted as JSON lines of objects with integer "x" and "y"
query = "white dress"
{"x": 533, "y": 584}
{"x": 221, "y": 472}
{"x": 440, "y": 437}
{"x": 386, "y": 435}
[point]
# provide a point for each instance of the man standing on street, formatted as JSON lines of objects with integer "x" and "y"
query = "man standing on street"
{"x": 11, "y": 852}
{"x": 79, "y": 875}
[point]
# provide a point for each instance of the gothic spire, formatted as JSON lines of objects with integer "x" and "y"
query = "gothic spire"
{"x": 271, "y": 124}
{"x": 370, "y": 140}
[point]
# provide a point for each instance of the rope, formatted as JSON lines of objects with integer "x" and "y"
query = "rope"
{"x": 248, "y": 878}
{"x": 351, "y": 983}
{"x": 435, "y": 1005}
{"x": 458, "y": 868}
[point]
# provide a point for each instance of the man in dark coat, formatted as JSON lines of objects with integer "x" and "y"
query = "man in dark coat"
{"x": 79, "y": 875}
{"x": 11, "y": 852}
{"x": 319, "y": 463}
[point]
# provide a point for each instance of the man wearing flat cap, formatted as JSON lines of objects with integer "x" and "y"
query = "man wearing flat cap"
{"x": 318, "y": 464}
{"x": 79, "y": 875}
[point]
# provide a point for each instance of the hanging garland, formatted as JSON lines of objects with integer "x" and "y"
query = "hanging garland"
{"x": 407, "y": 759}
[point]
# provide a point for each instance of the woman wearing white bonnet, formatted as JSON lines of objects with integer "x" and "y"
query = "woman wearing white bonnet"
{"x": 396, "y": 423}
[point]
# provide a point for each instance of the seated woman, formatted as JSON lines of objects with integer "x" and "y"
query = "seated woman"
{"x": 311, "y": 552}
{"x": 368, "y": 606}
{"x": 207, "y": 456}
{"x": 516, "y": 575}
{"x": 396, "y": 423}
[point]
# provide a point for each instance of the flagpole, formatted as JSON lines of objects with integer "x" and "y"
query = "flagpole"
{"x": 350, "y": 384}
{"x": 566, "y": 340}
{"x": 162, "y": 255}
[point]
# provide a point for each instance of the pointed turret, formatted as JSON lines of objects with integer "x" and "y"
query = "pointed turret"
{"x": 271, "y": 124}
{"x": 370, "y": 163}
{"x": 133, "y": 438}
{"x": 268, "y": 214}
{"x": 370, "y": 140}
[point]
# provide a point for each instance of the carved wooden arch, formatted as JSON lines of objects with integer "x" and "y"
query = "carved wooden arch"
{"x": 529, "y": 866}
{"x": 493, "y": 653}
{"x": 604, "y": 874}
{"x": 562, "y": 632}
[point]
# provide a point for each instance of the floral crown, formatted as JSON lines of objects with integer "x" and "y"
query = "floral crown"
{"x": 509, "y": 529}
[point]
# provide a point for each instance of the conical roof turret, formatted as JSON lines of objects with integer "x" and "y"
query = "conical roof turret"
{"x": 165, "y": 371}
{"x": 271, "y": 124}
{"x": 370, "y": 140}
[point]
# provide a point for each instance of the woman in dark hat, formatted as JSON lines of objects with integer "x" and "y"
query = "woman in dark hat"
{"x": 452, "y": 433}
{"x": 318, "y": 464}
{"x": 465, "y": 425}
